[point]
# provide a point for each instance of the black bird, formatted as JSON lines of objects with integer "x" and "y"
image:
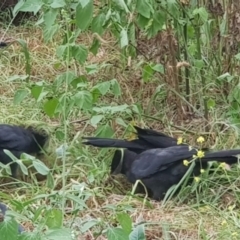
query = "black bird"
{"x": 158, "y": 168}
{"x": 3, "y": 209}
{"x": 19, "y": 140}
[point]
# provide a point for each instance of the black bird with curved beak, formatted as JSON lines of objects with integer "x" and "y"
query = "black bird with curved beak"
{"x": 19, "y": 140}
{"x": 161, "y": 166}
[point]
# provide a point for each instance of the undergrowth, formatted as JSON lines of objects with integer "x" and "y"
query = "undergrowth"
{"x": 97, "y": 69}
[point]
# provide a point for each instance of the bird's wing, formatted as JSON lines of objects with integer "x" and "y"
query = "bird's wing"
{"x": 141, "y": 131}
{"x": 155, "y": 160}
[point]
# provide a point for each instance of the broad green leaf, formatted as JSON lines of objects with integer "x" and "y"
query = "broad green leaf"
{"x": 19, "y": 95}
{"x": 147, "y": 73}
{"x": 144, "y": 8}
{"x": 103, "y": 87}
{"x": 54, "y": 218}
{"x": 50, "y": 31}
{"x": 125, "y": 222}
{"x": 202, "y": 12}
{"x": 36, "y": 91}
{"x": 95, "y": 46}
{"x": 88, "y": 225}
{"x": 9, "y": 229}
{"x": 105, "y": 131}
{"x": 116, "y": 87}
{"x": 97, "y": 23}
{"x": 123, "y": 38}
{"x": 80, "y": 53}
{"x": 50, "y": 107}
{"x": 122, "y": 4}
{"x": 29, "y": 6}
{"x": 138, "y": 233}
{"x": 83, "y": 99}
{"x": 142, "y": 22}
{"x": 50, "y": 17}
{"x": 96, "y": 119}
{"x": 40, "y": 167}
{"x": 84, "y": 15}
{"x": 58, "y": 234}
{"x": 116, "y": 234}
{"x": 58, "y": 4}
{"x": 158, "y": 68}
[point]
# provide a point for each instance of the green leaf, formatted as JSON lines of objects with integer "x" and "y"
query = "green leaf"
{"x": 211, "y": 103}
{"x": 122, "y": 5}
{"x": 144, "y": 8}
{"x": 138, "y": 233}
{"x": 224, "y": 76}
{"x": 58, "y": 4}
{"x": 96, "y": 119}
{"x": 20, "y": 95}
{"x": 142, "y": 21}
{"x": 80, "y": 53}
{"x": 29, "y": 6}
{"x": 147, "y": 73}
{"x": 97, "y": 23}
{"x": 58, "y": 234}
{"x": 202, "y": 12}
{"x": 125, "y": 222}
{"x": 116, "y": 234}
{"x": 158, "y": 68}
{"x": 84, "y": 15}
{"x": 36, "y": 91}
{"x": 104, "y": 131}
{"x": 19, "y": 162}
{"x": 95, "y": 46}
{"x": 83, "y": 99}
{"x": 88, "y": 225}
{"x": 40, "y": 167}
{"x": 9, "y": 229}
{"x": 54, "y": 218}
{"x": 49, "y": 32}
{"x": 237, "y": 56}
{"x": 103, "y": 87}
{"x": 116, "y": 87}
{"x": 123, "y": 38}
{"x": 49, "y": 17}
{"x": 50, "y": 107}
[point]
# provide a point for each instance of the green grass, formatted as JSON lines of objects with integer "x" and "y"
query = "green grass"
{"x": 81, "y": 186}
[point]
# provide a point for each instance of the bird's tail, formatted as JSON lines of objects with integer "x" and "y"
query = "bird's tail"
{"x": 227, "y": 156}
{"x": 110, "y": 143}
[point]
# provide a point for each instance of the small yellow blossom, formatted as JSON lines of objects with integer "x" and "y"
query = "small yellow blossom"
{"x": 200, "y": 154}
{"x": 197, "y": 179}
{"x": 230, "y": 208}
{"x": 186, "y": 162}
{"x": 202, "y": 171}
{"x": 179, "y": 140}
{"x": 200, "y": 139}
{"x": 224, "y": 222}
